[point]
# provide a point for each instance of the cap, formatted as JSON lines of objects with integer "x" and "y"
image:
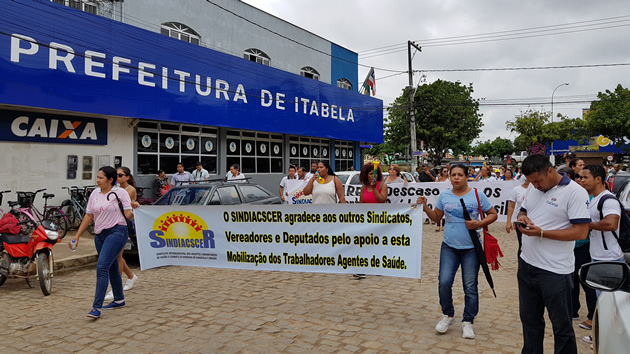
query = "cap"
{"x": 497, "y": 170}
{"x": 571, "y": 155}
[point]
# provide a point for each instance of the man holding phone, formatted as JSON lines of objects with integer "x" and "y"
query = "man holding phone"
{"x": 555, "y": 213}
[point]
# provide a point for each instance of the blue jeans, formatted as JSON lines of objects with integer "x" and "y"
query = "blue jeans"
{"x": 450, "y": 259}
{"x": 582, "y": 256}
{"x": 539, "y": 289}
{"x": 108, "y": 244}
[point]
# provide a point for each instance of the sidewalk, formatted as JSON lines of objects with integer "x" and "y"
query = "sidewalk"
{"x": 85, "y": 253}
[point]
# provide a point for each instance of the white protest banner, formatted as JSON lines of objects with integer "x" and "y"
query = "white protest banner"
{"x": 383, "y": 239}
{"x": 497, "y": 192}
{"x": 295, "y": 191}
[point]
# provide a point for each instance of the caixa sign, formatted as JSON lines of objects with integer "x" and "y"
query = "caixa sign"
{"x": 51, "y": 128}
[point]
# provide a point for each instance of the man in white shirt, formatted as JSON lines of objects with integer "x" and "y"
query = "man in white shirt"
{"x": 283, "y": 184}
{"x": 556, "y": 213}
{"x": 301, "y": 174}
{"x": 200, "y": 174}
{"x": 313, "y": 170}
{"x": 235, "y": 175}
{"x": 181, "y": 177}
{"x": 603, "y": 245}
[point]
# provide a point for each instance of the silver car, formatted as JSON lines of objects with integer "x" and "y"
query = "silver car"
{"x": 611, "y": 321}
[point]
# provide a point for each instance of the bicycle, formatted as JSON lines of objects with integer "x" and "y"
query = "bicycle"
{"x": 29, "y": 212}
{"x": 140, "y": 197}
{"x": 2, "y": 211}
{"x": 76, "y": 205}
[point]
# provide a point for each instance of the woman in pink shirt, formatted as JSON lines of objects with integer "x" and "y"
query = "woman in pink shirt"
{"x": 111, "y": 234}
{"x": 373, "y": 190}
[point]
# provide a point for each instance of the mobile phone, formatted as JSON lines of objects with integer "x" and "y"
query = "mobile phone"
{"x": 521, "y": 224}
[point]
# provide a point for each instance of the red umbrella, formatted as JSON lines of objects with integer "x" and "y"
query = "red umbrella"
{"x": 490, "y": 243}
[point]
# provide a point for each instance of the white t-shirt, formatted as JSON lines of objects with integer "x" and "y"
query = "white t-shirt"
{"x": 558, "y": 208}
{"x": 517, "y": 196}
{"x": 283, "y": 184}
{"x": 200, "y": 176}
{"x": 239, "y": 178}
{"x": 596, "y": 248}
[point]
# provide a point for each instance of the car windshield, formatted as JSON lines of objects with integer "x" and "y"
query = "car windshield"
{"x": 185, "y": 196}
{"x": 343, "y": 178}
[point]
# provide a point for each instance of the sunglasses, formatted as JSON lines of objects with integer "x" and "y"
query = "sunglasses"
{"x": 579, "y": 177}
{"x": 121, "y": 175}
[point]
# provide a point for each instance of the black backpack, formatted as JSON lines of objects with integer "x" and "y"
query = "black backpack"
{"x": 624, "y": 224}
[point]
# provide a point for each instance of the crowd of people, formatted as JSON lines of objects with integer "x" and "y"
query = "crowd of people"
{"x": 563, "y": 218}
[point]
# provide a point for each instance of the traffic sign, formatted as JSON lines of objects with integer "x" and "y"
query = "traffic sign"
{"x": 610, "y": 158}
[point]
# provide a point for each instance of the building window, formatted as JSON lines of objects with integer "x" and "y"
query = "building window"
{"x": 255, "y": 152}
{"x": 83, "y": 5}
{"x": 181, "y": 32}
{"x": 344, "y": 155}
{"x": 303, "y": 151}
{"x": 257, "y": 56}
{"x": 309, "y": 72}
{"x": 164, "y": 145}
{"x": 344, "y": 84}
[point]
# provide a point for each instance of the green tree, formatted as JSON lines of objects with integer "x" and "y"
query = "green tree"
{"x": 447, "y": 119}
{"x": 499, "y": 147}
{"x": 610, "y": 116}
{"x": 534, "y": 129}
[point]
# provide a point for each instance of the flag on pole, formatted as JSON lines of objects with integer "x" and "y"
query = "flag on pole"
{"x": 369, "y": 85}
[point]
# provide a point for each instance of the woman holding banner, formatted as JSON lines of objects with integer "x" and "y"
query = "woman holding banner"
{"x": 457, "y": 247}
{"x": 325, "y": 187}
{"x": 373, "y": 190}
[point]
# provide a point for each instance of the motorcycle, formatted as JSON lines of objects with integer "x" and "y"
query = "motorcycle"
{"x": 24, "y": 255}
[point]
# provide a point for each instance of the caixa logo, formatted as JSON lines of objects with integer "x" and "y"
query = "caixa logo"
{"x": 36, "y": 127}
{"x": 180, "y": 229}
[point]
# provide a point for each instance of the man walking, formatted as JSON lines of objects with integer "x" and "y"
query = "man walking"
{"x": 181, "y": 177}
{"x": 200, "y": 174}
{"x": 556, "y": 214}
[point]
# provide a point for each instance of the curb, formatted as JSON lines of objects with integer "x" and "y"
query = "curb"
{"x": 68, "y": 264}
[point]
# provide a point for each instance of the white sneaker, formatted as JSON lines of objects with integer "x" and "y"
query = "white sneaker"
{"x": 130, "y": 282}
{"x": 109, "y": 296}
{"x": 467, "y": 330}
{"x": 442, "y": 326}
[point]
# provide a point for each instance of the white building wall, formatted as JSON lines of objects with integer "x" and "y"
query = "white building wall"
{"x": 32, "y": 166}
{"x": 222, "y": 31}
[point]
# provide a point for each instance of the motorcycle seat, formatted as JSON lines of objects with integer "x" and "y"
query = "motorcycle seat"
{"x": 14, "y": 239}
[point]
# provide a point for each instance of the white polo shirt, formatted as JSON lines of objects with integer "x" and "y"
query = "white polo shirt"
{"x": 596, "y": 246}
{"x": 200, "y": 176}
{"x": 558, "y": 208}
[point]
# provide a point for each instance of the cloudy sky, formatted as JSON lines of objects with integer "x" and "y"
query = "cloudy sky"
{"x": 506, "y": 34}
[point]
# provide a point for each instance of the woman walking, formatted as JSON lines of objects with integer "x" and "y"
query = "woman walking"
{"x": 457, "y": 247}
{"x": 111, "y": 235}
{"x": 325, "y": 187}
{"x": 126, "y": 182}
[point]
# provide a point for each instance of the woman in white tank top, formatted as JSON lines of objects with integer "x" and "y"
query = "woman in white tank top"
{"x": 325, "y": 186}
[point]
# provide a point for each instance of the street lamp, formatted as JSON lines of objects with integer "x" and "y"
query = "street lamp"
{"x": 553, "y": 159}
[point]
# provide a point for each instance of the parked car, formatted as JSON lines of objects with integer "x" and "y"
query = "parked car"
{"x": 611, "y": 323}
{"x": 213, "y": 193}
{"x": 352, "y": 177}
{"x": 619, "y": 181}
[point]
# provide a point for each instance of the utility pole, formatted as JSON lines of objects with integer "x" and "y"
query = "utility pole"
{"x": 412, "y": 115}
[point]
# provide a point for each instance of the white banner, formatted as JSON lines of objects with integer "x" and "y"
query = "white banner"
{"x": 383, "y": 239}
{"x": 497, "y": 192}
{"x": 295, "y": 191}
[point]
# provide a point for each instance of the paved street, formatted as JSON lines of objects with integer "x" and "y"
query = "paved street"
{"x": 177, "y": 309}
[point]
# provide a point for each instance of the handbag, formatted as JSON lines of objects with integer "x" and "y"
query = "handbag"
{"x": 165, "y": 189}
{"x": 131, "y": 227}
{"x": 490, "y": 243}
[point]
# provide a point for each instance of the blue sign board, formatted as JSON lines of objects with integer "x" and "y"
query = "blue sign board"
{"x": 55, "y": 57}
{"x": 595, "y": 144}
{"x": 51, "y": 128}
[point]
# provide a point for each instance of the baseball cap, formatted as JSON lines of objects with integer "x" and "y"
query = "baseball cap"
{"x": 497, "y": 170}
{"x": 571, "y": 155}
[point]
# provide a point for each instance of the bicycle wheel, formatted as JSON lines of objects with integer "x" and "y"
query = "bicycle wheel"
{"x": 28, "y": 224}
{"x": 73, "y": 219}
{"x": 57, "y": 216}
{"x": 90, "y": 228}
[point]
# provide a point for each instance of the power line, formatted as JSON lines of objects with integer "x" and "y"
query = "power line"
{"x": 526, "y": 68}
{"x": 499, "y": 36}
